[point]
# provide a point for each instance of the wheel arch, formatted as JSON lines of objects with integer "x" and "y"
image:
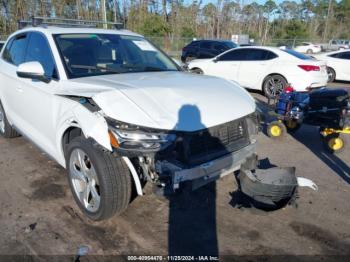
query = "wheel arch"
{"x": 271, "y": 74}
{"x": 74, "y": 130}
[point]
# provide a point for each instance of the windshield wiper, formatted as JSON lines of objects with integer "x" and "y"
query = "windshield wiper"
{"x": 87, "y": 67}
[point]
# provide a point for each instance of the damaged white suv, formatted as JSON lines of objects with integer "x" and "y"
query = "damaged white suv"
{"x": 116, "y": 112}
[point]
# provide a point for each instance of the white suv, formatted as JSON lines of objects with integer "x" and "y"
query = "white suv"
{"x": 116, "y": 112}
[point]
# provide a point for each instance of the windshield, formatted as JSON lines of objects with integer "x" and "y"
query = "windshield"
{"x": 297, "y": 54}
{"x": 99, "y": 54}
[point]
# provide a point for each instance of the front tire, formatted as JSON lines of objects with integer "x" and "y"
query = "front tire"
{"x": 274, "y": 85}
{"x": 6, "y": 130}
{"x": 100, "y": 182}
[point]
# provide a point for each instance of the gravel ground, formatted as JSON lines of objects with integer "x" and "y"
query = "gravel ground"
{"x": 39, "y": 217}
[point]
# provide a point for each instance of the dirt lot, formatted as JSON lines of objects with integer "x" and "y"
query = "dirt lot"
{"x": 38, "y": 215}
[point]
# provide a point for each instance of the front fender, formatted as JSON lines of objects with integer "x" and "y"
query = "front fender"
{"x": 92, "y": 124}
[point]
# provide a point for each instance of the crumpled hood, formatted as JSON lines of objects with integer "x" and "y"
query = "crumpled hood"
{"x": 166, "y": 100}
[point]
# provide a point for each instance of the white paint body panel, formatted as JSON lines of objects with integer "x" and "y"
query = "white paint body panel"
{"x": 153, "y": 99}
{"x": 251, "y": 74}
{"x": 340, "y": 66}
{"x": 307, "y": 47}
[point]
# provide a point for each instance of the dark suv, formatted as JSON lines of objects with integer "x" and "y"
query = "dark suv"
{"x": 205, "y": 49}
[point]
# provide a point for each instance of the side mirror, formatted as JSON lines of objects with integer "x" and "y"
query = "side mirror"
{"x": 216, "y": 59}
{"x": 32, "y": 70}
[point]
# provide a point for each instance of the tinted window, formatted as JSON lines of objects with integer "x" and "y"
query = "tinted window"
{"x": 6, "y": 54}
{"x": 194, "y": 44}
{"x": 230, "y": 44}
{"x": 258, "y": 55}
{"x": 206, "y": 44}
{"x": 15, "y": 49}
{"x": 248, "y": 54}
{"x": 334, "y": 55}
{"x": 297, "y": 54}
{"x": 220, "y": 47}
{"x": 39, "y": 50}
{"x": 234, "y": 55}
{"x": 344, "y": 55}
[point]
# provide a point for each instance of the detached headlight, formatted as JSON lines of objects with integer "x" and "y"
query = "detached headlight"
{"x": 133, "y": 137}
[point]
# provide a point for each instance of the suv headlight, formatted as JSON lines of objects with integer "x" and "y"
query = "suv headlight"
{"x": 132, "y": 137}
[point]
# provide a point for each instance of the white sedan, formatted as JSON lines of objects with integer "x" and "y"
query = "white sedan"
{"x": 308, "y": 48}
{"x": 265, "y": 68}
{"x": 338, "y": 64}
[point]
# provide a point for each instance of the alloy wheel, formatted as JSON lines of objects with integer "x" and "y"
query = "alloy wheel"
{"x": 84, "y": 180}
{"x": 274, "y": 86}
{"x": 331, "y": 74}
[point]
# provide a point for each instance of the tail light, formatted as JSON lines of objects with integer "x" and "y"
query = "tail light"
{"x": 309, "y": 68}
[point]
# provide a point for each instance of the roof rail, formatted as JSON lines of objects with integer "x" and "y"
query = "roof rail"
{"x": 65, "y": 22}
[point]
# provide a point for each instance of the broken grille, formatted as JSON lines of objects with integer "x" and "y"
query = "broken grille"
{"x": 208, "y": 144}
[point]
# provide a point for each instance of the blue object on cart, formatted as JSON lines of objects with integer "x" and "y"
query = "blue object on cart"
{"x": 288, "y": 100}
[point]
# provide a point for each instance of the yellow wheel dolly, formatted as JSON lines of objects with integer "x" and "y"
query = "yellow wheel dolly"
{"x": 334, "y": 139}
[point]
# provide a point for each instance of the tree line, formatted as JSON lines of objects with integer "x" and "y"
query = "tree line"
{"x": 319, "y": 20}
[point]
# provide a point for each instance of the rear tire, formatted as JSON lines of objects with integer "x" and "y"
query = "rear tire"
{"x": 331, "y": 74}
{"x": 309, "y": 51}
{"x": 6, "y": 130}
{"x": 100, "y": 182}
{"x": 273, "y": 85}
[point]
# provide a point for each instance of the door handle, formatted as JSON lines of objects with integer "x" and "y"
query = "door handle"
{"x": 20, "y": 90}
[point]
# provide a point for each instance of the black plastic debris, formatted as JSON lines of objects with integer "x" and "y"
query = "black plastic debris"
{"x": 30, "y": 228}
{"x": 268, "y": 188}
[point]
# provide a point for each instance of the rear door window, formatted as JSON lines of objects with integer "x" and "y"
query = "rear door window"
{"x": 235, "y": 55}
{"x": 15, "y": 50}
{"x": 255, "y": 54}
{"x": 297, "y": 54}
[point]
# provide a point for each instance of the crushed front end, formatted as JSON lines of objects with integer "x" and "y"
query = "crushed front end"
{"x": 172, "y": 158}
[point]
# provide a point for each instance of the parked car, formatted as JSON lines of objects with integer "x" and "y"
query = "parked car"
{"x": 200, "y": 49}
{"x": 116, "y": 112}
{"x": 1, "y": 44}
{"x": 335, "y": 45}
{"x": 265, "y": 68}
{"x": 338, "y": 65}
{"x": 308, "y": 48}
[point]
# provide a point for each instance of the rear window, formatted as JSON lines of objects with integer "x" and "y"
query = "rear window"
{"x": 230, "y": 44}
{"x": 297, "y": 54}
{"x": 193, "y": 44}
